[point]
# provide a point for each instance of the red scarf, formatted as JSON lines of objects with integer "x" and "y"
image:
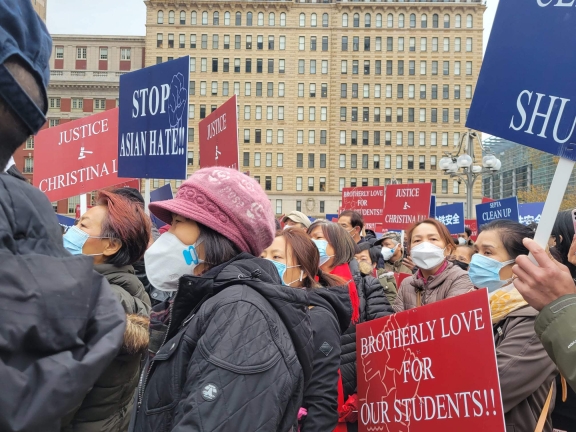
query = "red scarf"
{"x": 344, "y": 272}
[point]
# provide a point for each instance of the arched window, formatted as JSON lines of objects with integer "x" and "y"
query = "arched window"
{"x": 378, "y": 20}
{"x": 435, "y": 21}
{"x": 367, "y": 20}
{"x": 446, "y": 21}
{"x": 302, "y": 20}
{"x": 356, "y": 22}
{"x": 260, "y": 19}
{"x": 283, "y": 19}
{"x": 401, "y": 21}
{"x": 238, "y": 18}
{"x": 182, "y": 17}
{"x": 216, "y": 18}
{"x": 249, "y": 19}
{"x": 458, "y": 21}
{"x": 204, "y": 18}
{"x": 313, "y": 20}
{"x": 424, "y": 21}
{"x": 345, "y": 20}
{"x": 271, "y": 19}
{"x": 325, "y": 20}
{"x": 412, "y": 20}
{"x": 469, "y": 21}
{"x": 160, "y": 17}
{"x": 193, "y": 17}
{"x": 171, "y": 17}
{"x": 227, "y": 18}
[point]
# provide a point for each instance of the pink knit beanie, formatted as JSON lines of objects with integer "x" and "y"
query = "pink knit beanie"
{"x": 229, "y": 202}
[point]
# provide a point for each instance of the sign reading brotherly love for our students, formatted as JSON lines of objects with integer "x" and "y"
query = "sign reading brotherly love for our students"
{"x": 526, "y": 89}
{"x": 502, "y": 209}
{"x": 418, "y": 370}
{"x": 153, "y": 123}
{"x": 368, "y": 201}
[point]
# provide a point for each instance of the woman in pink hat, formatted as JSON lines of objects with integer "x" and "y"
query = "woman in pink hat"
{"x": 232, "y": 350}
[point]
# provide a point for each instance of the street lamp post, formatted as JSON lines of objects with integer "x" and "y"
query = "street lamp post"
{"x": 463, "y": 166}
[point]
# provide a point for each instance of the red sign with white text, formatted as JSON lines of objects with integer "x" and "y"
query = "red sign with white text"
{"x": 486, "y": 200}
{"x": 219, "y": 137}
{"x": 77, "y": 157}
{"x": 368, "y": 201}
{"x": 418, "y": 370}
{"x": 406, "y": 204}
{"x": 473, "y": 225}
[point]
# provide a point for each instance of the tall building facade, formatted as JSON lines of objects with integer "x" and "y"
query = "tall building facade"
{"x": 84, "y": 79}
{"x": 40, "y": 8}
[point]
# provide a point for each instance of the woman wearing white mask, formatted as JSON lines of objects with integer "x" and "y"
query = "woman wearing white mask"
{"x": 436, "y": 279}
{"x": 526, "y": 372}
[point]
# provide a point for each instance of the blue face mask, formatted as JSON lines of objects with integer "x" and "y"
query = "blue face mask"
{"x": 74, "y": 241}
{"x": 484, "y": 272}
{"x": 322, "y": 245}
{"x": 281, "y": 267}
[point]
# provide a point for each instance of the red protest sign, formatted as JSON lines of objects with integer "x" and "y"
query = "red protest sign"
{"x": 473, "y": 225}
{"x": 406, "y": 204}
{"x": 486, "y": 200}
{"x": 77, "y": 157}
{"x": 219, "y": 137}
{"x": 400, "y": 278}
{"x": 418, "y": 369}
{"x": 368, "y": 201}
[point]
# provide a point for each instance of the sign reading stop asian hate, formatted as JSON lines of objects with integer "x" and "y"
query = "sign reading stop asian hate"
{"x": 406, "y": 204}
{"x": 368, "y": 201}
{"x": 525, "y": 91}
{"x": 77, "y": 157}
{"x": 153, "y": 130}
{"x": 219, "y": 137}
{"x": 418, "y": 370}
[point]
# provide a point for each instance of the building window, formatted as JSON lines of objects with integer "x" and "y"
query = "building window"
{"x": 99, "y": 104}
{"x": 54, "y": 122}
{"x": 171, "y": 17}
{"x": 160, "y": 17}
{"x": 279, "y": 187}
{"x": 268, "y": 183}
{"x": 54, "y": 103}
{"x": 125, "y": 54}
{"x": 299, "y": 160}
{"x": 345, "y": 20}
{"x": 28, "y": 165}
{"x": 81, "y": 53}
{"x": 310, "y": 184}
{"x": 456, "y": 187}
{"x": 302, "y": 20}
{"x": 356, "y": 20}
{"x": 77, "y": 103}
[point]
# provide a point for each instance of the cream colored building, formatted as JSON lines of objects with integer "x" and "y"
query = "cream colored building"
{"x": 40, "y": 8}
{"x": 330, "y": 95}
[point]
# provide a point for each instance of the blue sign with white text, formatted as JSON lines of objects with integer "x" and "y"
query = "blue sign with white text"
{"x": 161, "y": 194}
{"x": 153, "y": 121}
{"x": 530, "y": 212}
{"x": 451, "y": 215}
{"x": 433, "y": 206}
{"x": 65, "y": 221}
{"x": 502, "y": 209}
{"x": 526, "y": 89}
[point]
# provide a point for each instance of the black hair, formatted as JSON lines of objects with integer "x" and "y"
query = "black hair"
{"x": 217, "y": 248}
{"x": 356, "y": 218}
{"x": 564, "y": 227}
{"x": 512, "y": 234}
{"x": 556, "y": 254}
{"x": 130, "y": 193}
{"x": 468, "y": 231}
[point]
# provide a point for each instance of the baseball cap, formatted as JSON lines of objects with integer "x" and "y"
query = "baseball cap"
{"x": 298, "y": 217}
{"x": 25, "y": 36}
{"x": 389, "y": 235}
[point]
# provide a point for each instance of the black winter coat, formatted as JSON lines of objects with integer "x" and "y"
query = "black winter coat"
{"x": 373, "y": 304}
{"x": 60, "y": 324}
{"x": 330, "y": 314}
{"x": 237, "y": 354}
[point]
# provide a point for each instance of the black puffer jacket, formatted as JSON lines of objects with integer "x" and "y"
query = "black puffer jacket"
{"x": 373, "y": 304}
{"x": 60, "y": 324}
{"x": 330, "y": 313}
{"x": 237, "y": 356}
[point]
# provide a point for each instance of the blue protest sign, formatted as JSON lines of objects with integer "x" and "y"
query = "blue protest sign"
{"x": 153, "y": 121}
{"x": 65, "y": 221}
{"x": 161, "y": 194}
{"x": 526, "y": 87}
{"x": 330, "y": 216}
{"x": 451, "y": 215}
{"x": 433, "y": 206}
{"x": 502, "y": 209}
{"x": 530, "y": 212}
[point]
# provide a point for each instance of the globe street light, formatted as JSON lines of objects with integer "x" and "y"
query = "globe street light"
{"x": 462, "y": 165}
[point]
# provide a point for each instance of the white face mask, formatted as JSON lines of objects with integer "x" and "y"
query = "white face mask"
{"x": 168, "y": 259}
{"x": 427, "y": 255}
{"x": 388, "y": 253}
{"x": 461, "y": 241}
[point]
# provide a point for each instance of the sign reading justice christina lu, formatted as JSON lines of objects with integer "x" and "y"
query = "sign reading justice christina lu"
{"x": 219, "y": 137}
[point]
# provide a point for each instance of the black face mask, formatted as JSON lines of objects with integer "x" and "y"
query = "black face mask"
{"x": 464, "y": 266}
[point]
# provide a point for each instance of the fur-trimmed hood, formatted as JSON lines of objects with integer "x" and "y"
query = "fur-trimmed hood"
{"x": 137, "y": 335}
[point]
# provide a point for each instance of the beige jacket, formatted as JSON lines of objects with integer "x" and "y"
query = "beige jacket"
{"x": 452, "y": 282}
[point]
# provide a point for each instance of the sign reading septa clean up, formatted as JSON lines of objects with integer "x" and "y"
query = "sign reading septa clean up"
{"x": 219, "y": 137}
{"x": 368, "y": 201}
{"x": 501, "y": 209}
{"x": 153, "y": 128}
{"x": 451, "y": 215}
{"x": 526, "y": 89}
{"x": 418, "y": 370}
{"x": 77, "y": 157}
{"x": 406, "y": 204}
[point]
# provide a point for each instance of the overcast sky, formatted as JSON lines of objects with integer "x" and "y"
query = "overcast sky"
{"x": 127, "y": 17}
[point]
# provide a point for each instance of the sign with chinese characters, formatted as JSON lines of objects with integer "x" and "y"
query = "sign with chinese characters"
{"x": 502, "y": 209}
{"x": 530, "y": 212}
{"x": 77, "y": 157}
{"x": 452, "y": 215}
{"x": 161, "y": 194}
{"x": 153, "y": 129}
{"x": 433, "y": 206}
{"x": 406, "y": 204}
{"x": 368, "y": 201}
{"x": 219, "y": 137}
{"x": 418, "y": 370}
